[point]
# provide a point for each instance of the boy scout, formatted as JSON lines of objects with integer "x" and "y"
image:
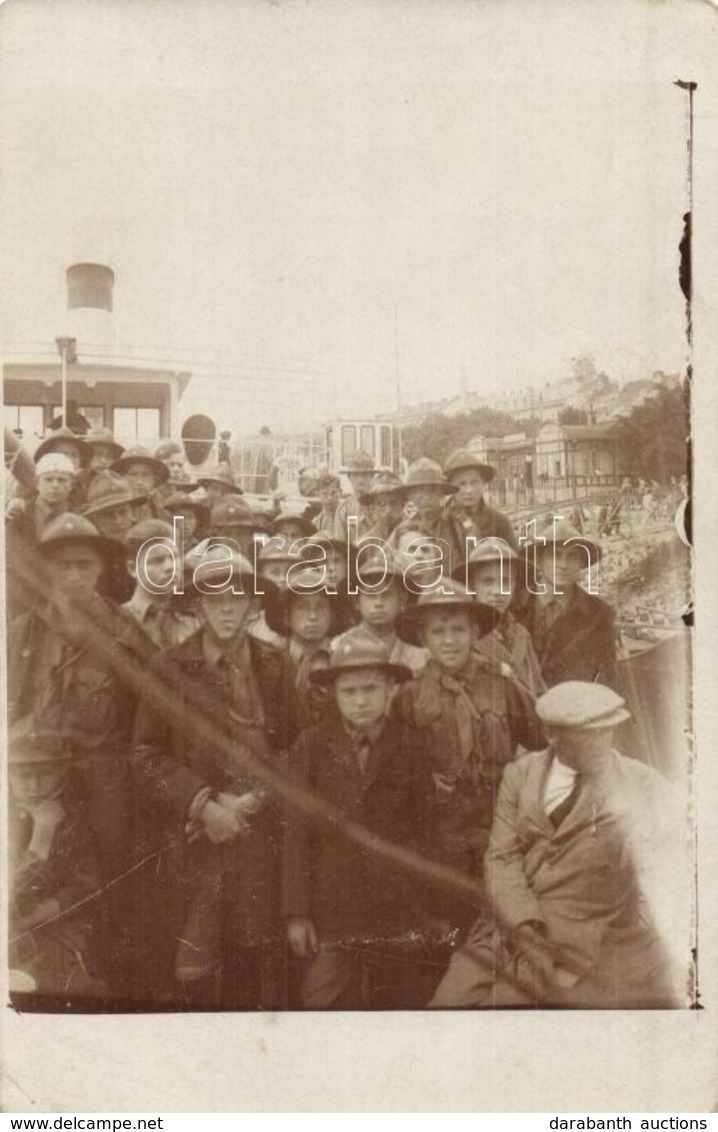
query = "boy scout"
{"x": 154, "y": 607}
{"x": 144, "y": 474}
{"x": 489, "y": 575}
{"x": 218, "y": 483}
{"x": 468, "y": 509}
{"x": 53, "y": 869}
{"x": 473, "y": 715}
{"x": 381, "y": 599}
{"x": 347, "y": 914}
{"x": 573, "y": 631}
{"x": 222, "y": 837}
{"x": 584, "y": 854}
{"x": 386, "y": 504}
{"x": 360, "y": 469}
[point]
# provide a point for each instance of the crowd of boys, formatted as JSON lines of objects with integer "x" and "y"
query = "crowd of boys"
{"x": 354, "y": 756}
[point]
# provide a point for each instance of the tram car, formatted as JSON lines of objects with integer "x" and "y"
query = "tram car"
{"x": 345, "y": 437}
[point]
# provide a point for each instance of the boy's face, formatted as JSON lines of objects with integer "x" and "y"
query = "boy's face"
{"x": 225, "y": 614}
{"x": 449, "y": 636}
{"x": 114, "y": 522}
{"x": 329, "y": 495}
{"x": 215, "y": 491}
{"x": 362, "y": 696}
{"x": 175, "y": 465}
{"x": 310, "y": 616}
{"x": 158, "y": 565}
{"x": 387, "y": 507}
{"x": 140, "y": 477}
{"x": 471, "y": 487}
{"x": 561, "y": 566}
{"x": 380, "y": 610}
{"x": 188, "y": 524}
{"x": 485, "y": 580}
{"x": 291, "y": 529}
{"x": 361, "y": 482}
{"x": 427, "y": 499}
{"x": 54, "y": 488}
{"x": 275, "y": 570}
{"x": 102, "y": 457}
{"x": 32, "y": 783}
{"x": 74, "y": 572}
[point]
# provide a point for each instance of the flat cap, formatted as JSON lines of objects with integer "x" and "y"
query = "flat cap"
{"x": 579, "y": 703}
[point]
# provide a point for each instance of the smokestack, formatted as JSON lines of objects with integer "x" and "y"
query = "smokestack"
{"x": 90, "y": 288}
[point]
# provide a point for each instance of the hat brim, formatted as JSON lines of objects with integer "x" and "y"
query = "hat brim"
{"x": 50, "y": 445}
{"x": 604, "y": 723}
{"x": 276, "y": 611}
{"x": 446, "y": 487}
{"x": 98, "y": 508}
{"x": 210, "y": 481}
{"x": 110, "y": 549}
{"x": 486, "y": 471}
{"x": 117, "y": 449}
{"x": 160, "y": 470}
{"x": 326, "y": 676}
{"x": 306, "y": 525}
{"x": 410, "y": 619}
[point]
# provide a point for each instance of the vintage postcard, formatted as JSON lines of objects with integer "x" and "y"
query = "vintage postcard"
{"x": 358, "y": 419}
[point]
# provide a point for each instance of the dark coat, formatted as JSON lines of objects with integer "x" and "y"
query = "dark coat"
{"x": 581, "y": 644}
{"x": 347, "y": 891}
{"x": 173, "y": 766}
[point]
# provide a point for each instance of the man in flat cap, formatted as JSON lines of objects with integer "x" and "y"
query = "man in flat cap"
{"x": 583, "y": 873}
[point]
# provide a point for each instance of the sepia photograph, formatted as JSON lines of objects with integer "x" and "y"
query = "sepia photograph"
{"x": 350, "y": 403}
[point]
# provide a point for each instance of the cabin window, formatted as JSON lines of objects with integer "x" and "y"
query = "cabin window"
{"x": 27, "y": 418}
{"x": 386, "y": 460}
{"x": 368, "y": 439}
{"x": 349, "y": 443}
{"x": 136, "y": 424}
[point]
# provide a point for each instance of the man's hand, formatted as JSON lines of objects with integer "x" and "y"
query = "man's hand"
{"x": 302, "y": 936}
{"x": 220, "y": 823}
{"x": 535, "y": 959}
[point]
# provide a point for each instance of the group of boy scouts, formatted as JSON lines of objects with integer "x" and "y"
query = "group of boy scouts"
{"x": 272, "y": 759}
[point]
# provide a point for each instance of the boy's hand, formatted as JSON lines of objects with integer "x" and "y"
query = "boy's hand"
{"x": 220, "y": 823}
{"x": 302, "y": 936}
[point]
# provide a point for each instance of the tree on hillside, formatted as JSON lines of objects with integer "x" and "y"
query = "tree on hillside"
{"x": 437, "y": 436}
{"x": 654, "y": 438}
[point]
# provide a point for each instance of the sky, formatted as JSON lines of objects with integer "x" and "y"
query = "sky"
{"x": 318, "y": 206}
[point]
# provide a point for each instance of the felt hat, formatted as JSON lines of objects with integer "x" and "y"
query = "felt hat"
{"x": 216, "y": 564}
{"x": 54, "y": 463}
{"x": 108, "y": 490}
{"x": 426, "y": 473}
{"x": 373, "y": 561}
{"x": 105, "y": 437}
{"x": 562, "y": 533}
{"x": 489, "y": 549}
{"x": 139, "y": 455}
{"x": 146, "y": 529}
{"x": 357, "y": 649}
{"x": 579, "y": 703}
{"x": 445, "y": 596}
{"x": 385, "y": 483}
{"x": 62, "y": 436}
{"x": 462, "y": 459}
{"x": 232, "y": 511}
{"x": 223, "y": 475}
{"x": 69, "y": 529}
{"x": 179, "y": 502}
{"x": 278, "y": 549}
{"x": 306, "y": 525}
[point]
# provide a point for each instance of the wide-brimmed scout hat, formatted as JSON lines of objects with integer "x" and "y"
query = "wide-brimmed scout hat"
{"x": 221, "y": 564}
{"x": 426, "y": 473}
{"x": 69, "y": 529}
{"x": 305, "y": 581}
{"x": 146, "y": 529}
{"x": 64, "y": 436}
{"x": 489, "y": 549}
{"x": 232, "y": 511}
{"x": 462, "y": 459}
{"x": 306, "y": 525}
{"x": 372, "y": 561}
{"x": 562, "y": 533}
{"x": 54, "y": 463}
{"x": 579, "y": 703}
{"x": 30, "y": 741}
{"x": 179, "y": 502}
{"x": 108, "y": 490}
{"x": 278, "y": 549}
{"x": 446, "y": 595}
{"x": 105, "y": 437}
{"x": 361, "y": 461}
{"x": 358, "y": 649}
{"x": 139, "y": 455}
{"x": 222, "y": 475}
{"x": 385, "y": 483}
